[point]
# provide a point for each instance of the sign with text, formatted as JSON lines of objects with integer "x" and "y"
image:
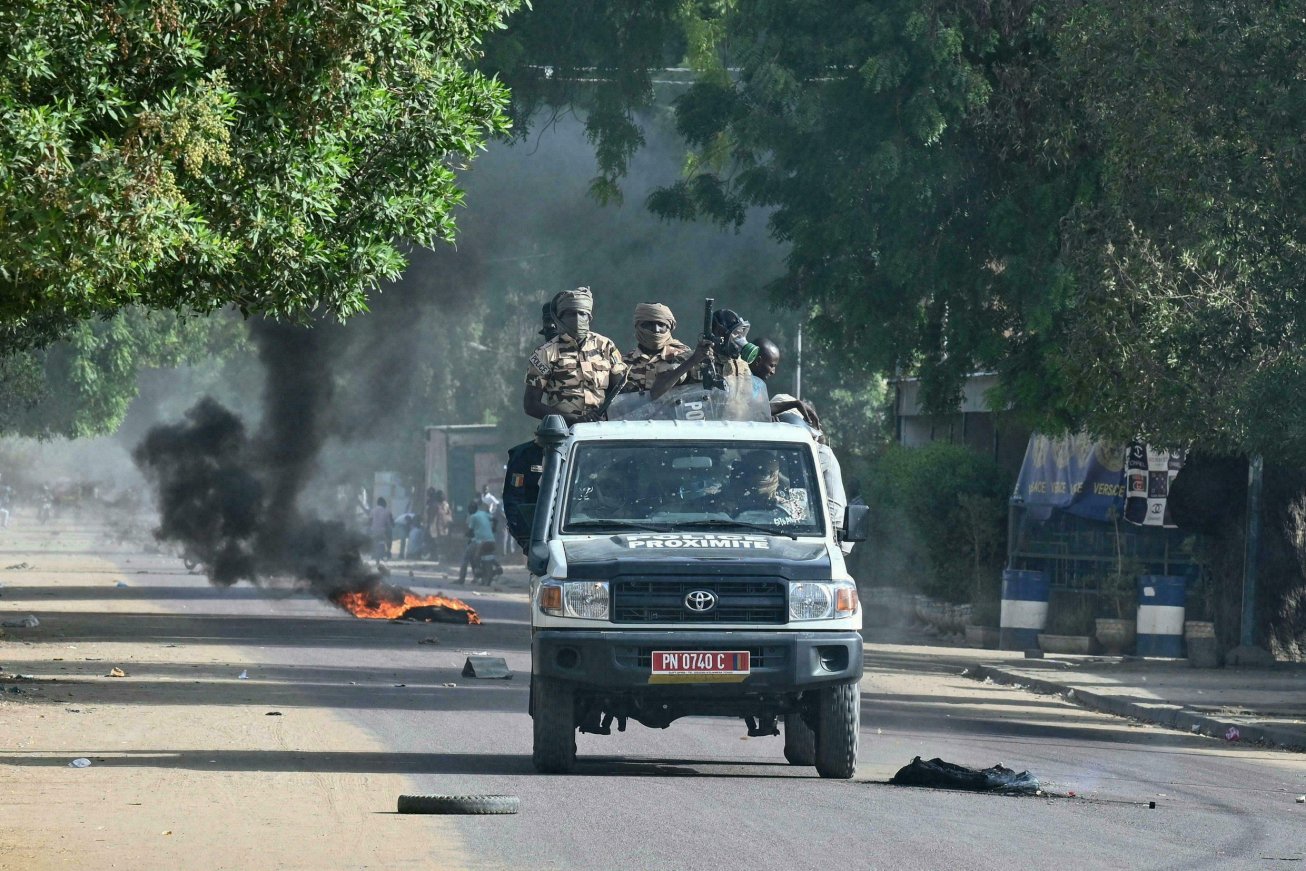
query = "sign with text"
{"x": 1077, "y": 474}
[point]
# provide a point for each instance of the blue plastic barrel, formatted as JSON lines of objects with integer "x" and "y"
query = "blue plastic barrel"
{"x": 1161, "y": 600}
{"x": 1024, "y": 609}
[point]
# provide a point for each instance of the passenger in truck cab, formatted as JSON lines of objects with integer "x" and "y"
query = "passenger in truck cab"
{"x": 757, "y": 484}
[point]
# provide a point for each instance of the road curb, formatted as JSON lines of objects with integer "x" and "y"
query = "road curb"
{"x": 1171, "y": 716}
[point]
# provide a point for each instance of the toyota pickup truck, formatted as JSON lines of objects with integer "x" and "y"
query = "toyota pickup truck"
{"x": 692, "y": 568}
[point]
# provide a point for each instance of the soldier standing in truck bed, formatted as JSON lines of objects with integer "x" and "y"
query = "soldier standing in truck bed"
{"x": 548, "y": 321}
{"x": 570, "y": 374}
{"x": 659, "y": 361}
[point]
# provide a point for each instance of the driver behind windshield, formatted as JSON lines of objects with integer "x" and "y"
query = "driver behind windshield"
{"x": 608, "y": 495}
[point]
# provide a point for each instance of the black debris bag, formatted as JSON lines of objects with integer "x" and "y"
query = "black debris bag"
{"x": 521, "y": 489}
{"x": 937, "y": 774}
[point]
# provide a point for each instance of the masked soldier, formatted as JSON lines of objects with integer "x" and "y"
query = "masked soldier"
{"x": 570, "y": 374}
{"x": 548, "y": 321}
{"x": 659, "y": 361}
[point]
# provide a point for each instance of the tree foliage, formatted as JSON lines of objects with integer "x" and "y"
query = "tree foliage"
{"x": 194, "y": 154}
{"x": 600, "y": 58}
{"x": 938, "y": 521}
{"x": 82, "y": 385}
{"x": 1187, "y": 323}
{"x": 1101, "y": 201}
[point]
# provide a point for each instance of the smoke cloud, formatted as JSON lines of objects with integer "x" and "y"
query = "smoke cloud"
{"x": 446, "y": 344}
{"x": 231, "y": 499}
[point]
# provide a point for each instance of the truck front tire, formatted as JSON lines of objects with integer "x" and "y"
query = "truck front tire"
{"x": 800, "y": 741}
{"x": 838, "y": 723}
{"x": 554, "y": 713}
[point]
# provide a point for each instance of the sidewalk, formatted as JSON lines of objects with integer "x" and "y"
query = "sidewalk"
{"x": 1265, "y": 705}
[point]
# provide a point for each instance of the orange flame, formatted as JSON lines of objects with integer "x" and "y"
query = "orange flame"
{"x": 385, "y": 602}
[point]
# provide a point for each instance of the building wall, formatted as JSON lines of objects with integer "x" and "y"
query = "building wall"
{"x": 972, "y": 425}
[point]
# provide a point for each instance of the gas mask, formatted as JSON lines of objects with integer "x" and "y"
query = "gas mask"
{"x": 731, "y": 334}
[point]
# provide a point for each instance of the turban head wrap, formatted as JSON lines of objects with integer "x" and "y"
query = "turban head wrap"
{"x": 653, "y": 311}
{"x": 580, "y": 300}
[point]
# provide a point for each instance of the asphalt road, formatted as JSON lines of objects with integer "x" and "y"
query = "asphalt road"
{"x": 700, "y": 795}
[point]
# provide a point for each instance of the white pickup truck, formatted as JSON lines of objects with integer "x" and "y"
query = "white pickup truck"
{"x": 692, "y": 568}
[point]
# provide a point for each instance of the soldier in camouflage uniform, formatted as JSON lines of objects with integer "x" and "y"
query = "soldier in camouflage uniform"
{"x": 549, "y": 324}
{"x": 659, "y": 361}
{"x": 570, "y": 374}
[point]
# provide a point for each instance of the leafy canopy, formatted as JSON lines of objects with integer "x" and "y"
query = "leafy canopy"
{"x": 1101, "y": 201}
{"x": 83, "y": 384}
{"x": 187, "y": 155}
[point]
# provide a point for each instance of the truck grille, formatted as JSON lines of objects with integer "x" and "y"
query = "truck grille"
{"x": 759, "y": 657}
{"x": 740, "y": 600}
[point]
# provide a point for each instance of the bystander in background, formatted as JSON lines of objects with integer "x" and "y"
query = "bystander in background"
{"x": 382, "y": 523}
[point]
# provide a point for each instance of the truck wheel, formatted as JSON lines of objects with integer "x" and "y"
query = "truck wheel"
{"x": 800, "y": 741}
{"x": 838, "y": 722}
{"x": 554, "y": 750}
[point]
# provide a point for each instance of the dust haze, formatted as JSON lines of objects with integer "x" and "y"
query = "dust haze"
{"x": 271, "y": 489}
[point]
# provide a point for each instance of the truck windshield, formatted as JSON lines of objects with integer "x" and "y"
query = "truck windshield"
{"x": 761, "y": 486}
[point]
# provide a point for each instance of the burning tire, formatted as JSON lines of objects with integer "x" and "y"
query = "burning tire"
{"x": 800, "y": 741}
{"x": 458, "y": 804}
{"x": 554, "y": 713}
{"x": 838, "y": 722}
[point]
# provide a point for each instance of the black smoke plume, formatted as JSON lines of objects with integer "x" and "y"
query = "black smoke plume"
{"x": 230, "y": 499}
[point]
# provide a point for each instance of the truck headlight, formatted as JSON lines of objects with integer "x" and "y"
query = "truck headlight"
{"x": 586, "y": 600}
{"x": 818, "y": 601}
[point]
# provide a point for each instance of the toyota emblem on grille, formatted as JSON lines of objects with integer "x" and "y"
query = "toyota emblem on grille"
{"x": 700, "y": 600}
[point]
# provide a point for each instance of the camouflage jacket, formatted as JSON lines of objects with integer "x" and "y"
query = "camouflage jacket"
{"x": 734, "y": 367}
{"x": 646, "y": 367}
{"x": 574, "y": 378}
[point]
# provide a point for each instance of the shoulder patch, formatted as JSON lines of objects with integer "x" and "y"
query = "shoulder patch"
{"x": 539, "y": 364}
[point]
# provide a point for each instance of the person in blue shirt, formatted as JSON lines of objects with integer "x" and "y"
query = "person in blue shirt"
{"x": 480, "y": 530}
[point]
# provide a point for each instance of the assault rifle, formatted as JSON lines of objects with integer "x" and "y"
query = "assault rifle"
{"x": 712, "y": 379}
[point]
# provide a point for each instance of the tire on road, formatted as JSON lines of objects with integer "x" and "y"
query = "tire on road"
{"x": 458, "y": 804}
{"x": 554, "y": 748}
{"x": 800, "y": 741}
{"x": 838, "y": 723}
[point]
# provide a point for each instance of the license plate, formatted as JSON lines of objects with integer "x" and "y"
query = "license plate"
{"x": 695, "y": 662}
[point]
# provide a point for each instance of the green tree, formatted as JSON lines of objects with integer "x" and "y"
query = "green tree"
{"x": 194, "y": 154}
{"x": 1098, "y": 200}
{"x": 1186, "y": 324}
{"x": 938, "y": 521}
{"x": 914, "y": 236}
{"x": 82, "y": 385}
{"x": 600, "y": 58}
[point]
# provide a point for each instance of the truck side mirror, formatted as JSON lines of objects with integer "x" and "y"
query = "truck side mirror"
{"x": 856, "y": 522}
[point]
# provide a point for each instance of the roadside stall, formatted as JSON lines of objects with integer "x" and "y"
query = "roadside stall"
{"x": 1094, "y": 563}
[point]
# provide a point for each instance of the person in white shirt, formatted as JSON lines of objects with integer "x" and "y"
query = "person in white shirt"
{"x": 494, "y": 507}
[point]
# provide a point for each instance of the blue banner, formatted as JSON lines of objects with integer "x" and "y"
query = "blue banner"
{"x": 1074, "y": 473}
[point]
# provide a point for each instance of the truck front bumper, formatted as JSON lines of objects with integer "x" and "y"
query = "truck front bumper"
{"x": 620, "y": 660}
